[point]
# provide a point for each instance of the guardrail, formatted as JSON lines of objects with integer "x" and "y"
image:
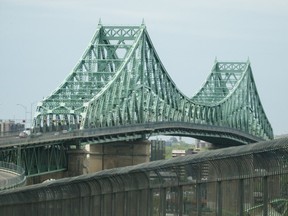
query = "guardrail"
{"x": 242, "y": 181}
{"x": 17, "y": 177}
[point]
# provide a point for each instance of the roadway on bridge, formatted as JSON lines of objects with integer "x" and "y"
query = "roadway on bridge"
{"x": 233, "y": 136}
{"x": 6, "y": 177}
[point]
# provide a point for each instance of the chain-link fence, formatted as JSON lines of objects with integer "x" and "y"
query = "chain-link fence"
{"x": 236, "y": 181}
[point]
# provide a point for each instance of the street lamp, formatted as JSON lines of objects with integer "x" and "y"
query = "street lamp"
{"x": 25, "y": 108}
{"x": 31, "y": 121}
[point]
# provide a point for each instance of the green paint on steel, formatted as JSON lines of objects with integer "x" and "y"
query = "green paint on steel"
{"x": 37, "y": 159}
{"x": 120, "y": 80}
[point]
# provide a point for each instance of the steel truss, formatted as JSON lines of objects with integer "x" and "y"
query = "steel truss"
{"x": 120, "y": 80}
{"x": 37, "y": 159}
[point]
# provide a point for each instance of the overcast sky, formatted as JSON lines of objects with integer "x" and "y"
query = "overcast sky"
{"x": 42, "y": 40}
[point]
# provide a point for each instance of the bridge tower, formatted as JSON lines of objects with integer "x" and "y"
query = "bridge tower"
{"x": 120, "y": 82}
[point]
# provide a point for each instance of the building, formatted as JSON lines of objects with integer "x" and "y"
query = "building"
{"x": 157, "y": 150}
{"x": 9, "y": 126}
{"x": 178, "y": 153}
{"x": 200, "y": 144}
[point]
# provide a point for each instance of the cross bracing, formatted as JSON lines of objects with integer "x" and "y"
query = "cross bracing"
{"x": 120, "y": 80}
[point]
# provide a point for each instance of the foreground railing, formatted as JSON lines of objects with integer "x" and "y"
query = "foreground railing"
{"x": 11, "y": 175}
{"x": 245, "y": 180}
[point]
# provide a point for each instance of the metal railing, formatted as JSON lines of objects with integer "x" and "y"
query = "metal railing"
{"x": 242, "y": 181}
{"x": 15, "y": 175}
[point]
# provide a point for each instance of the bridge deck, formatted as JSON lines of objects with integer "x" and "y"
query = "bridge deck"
{"x": 11, "y": 175}
{"x": 102, "y": 135}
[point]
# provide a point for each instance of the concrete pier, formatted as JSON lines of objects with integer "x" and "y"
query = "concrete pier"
{"x": 107, "y": 156}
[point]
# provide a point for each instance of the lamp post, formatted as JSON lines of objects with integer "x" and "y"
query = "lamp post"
{"x": 31, "y": 107}
{"x": 25, "y": 108}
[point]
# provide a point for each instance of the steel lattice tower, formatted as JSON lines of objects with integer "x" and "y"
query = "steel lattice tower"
{"x": 120, "y": 80}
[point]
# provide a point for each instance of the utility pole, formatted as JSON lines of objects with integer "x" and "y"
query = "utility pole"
{"x": 25, "y": 108}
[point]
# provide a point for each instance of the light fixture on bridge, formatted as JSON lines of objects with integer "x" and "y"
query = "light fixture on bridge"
{"x": 25, "y": 109}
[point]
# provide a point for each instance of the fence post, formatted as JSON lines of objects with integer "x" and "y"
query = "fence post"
{"x": 180, "y": 200}
{"x": 219, "y": 198}
{"x": 150, "y": 202}
{"x": 162, "y": 201}
{"x": 198, "y": 198}
{"x": 241, "y": 197}
{"x": 265, "y": 195}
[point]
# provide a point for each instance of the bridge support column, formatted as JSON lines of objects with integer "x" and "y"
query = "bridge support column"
{"x": 77, "y": 161}
{"x": 107, "y": 156}
{"x": 118, "y": 154}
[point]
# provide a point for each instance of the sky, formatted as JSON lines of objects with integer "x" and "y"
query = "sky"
{"x": 42, "y": 40}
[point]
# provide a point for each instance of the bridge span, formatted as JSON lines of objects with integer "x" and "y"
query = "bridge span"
{"x": 219, "y": 136}
{"x": 120, "y": 80}
{"x": 119, "y": 91}
{"x": 53, "y": 152}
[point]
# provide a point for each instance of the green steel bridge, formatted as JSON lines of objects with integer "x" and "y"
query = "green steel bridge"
{"x": 121, "y": 81}
{"x": 119, "y": 90}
